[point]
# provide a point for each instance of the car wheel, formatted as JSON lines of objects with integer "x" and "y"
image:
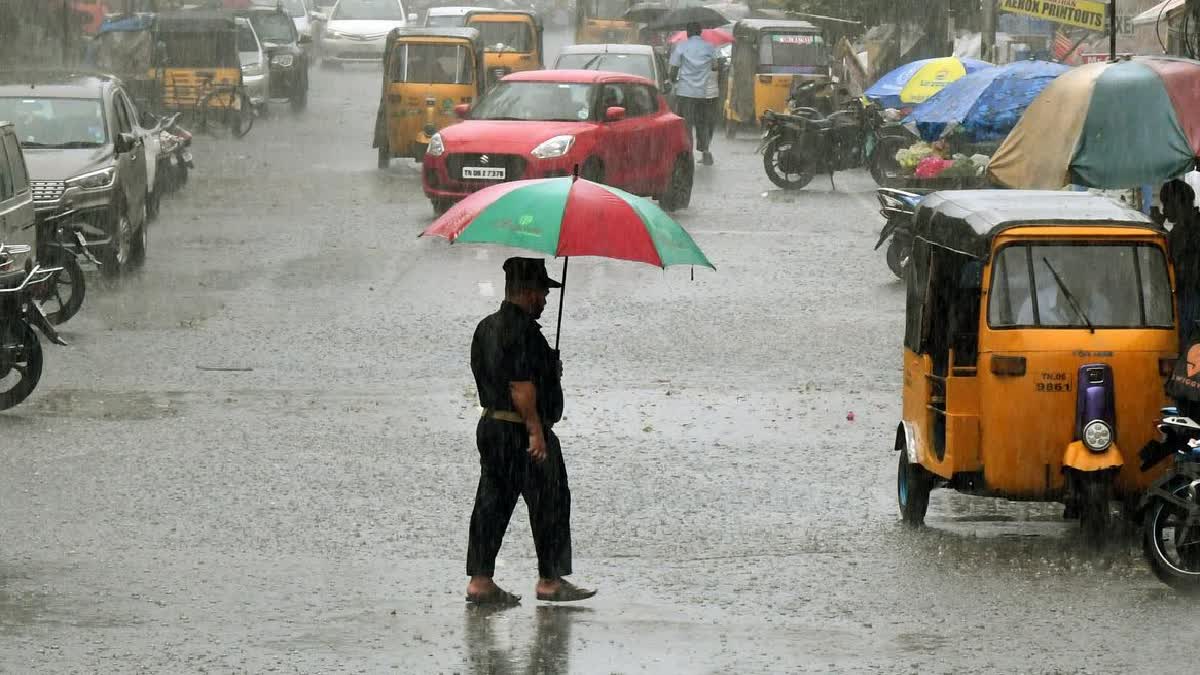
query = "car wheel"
{"x": 141, "y": 242}
{"x": 115, "y": 257}
{"x": 153, "y": 199}
{"x": 679, "y": 190}
{"x": 593, "y": 170}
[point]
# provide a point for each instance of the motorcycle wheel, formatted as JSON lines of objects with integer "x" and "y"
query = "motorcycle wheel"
{"x": 884, "y": 168}
{"x": 20, "y": 362}
{"x": 62, "y": 295}
{"x": 897, "y": 257}
{"x": 1171, "y": 547}
{"x": 779, "y": 167}
{"x": 913, "y": 485}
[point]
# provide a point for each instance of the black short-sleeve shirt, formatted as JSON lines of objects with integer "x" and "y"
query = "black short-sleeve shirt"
{"x": 509, "y": 347}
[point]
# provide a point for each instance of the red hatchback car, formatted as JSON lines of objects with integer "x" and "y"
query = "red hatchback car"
{"x": 540, "y": 124}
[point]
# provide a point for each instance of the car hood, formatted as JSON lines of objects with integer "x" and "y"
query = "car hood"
{"x": 365, "y": 28}
{"x": 274, "y": 48}
{"x": 50, "y": 164}
{"x": 508, "y": 137}
{"x": 249, "y": 58}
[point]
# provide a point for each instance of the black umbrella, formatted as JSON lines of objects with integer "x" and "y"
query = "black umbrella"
{"x": 645, "y": 12}
{"x": 680, "y": 18}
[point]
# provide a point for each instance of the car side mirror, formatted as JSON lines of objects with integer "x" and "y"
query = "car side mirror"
{"x": 462, "y": 110}
{"x": 124, "y": 143}
{"x": 304, "y": 39}
{"x": 614, "y": 113}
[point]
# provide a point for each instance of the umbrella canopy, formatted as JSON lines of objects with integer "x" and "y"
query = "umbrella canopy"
{"x": 679, "y": 19}
{"x": 570, "y": 217}
{"x": 645, "y": 12}
{"x": 1107, "y": 125}
{"x": 986, "y": 104}
{"x": 914, "y": 82}
{"x": 732, "y": 11}
{"x": 717, "y": 37}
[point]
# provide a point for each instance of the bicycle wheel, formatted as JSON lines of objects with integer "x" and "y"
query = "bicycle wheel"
{"x": 241, "y": 113}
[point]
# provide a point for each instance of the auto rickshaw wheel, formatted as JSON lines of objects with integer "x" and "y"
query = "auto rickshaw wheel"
{"x": 913, "y": 485}
{"x": 784, "y": 169}
{"x": 1093, "y": 493}
{"x": 730, "y": 129}
{"x": 592, "y": 170}
{"x": 1171, "y": 547}
{"x": 383, "y": 158}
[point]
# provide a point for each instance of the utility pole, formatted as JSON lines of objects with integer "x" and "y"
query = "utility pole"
{"x": 1112, "y": 30}
{"x": 987, "y": 37}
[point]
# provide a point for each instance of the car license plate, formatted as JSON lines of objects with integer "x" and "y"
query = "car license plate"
{"x": 484, "y": 172}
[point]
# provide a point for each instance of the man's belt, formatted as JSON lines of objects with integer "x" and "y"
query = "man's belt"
{"x": 503, "y": 415}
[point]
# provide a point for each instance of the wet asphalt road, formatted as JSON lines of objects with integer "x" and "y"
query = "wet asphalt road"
{"x": 307, "y": 512}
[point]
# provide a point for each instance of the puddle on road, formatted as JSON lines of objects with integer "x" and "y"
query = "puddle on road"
{"x": 104, "y": 405}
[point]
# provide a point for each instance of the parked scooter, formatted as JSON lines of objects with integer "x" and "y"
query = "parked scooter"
{"x": 801, "y": 143}
{"x": 897, "y": 208}
{"x": 20, "y": 349}
{"x": 175, "y": 158}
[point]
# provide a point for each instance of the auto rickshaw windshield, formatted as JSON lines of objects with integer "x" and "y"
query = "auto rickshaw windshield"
{"x": 605, "y": 9}
{"x": 1077, "y": 286}
{"x": 505, "y": 36}
{"x": 433, "y": 64}
{"x": 791, "y": 53}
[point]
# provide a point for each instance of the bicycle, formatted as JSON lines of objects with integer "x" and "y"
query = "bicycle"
{"x": 224, "y": 105}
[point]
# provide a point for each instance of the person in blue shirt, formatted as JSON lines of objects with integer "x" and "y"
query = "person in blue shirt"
{"x": 694, "y": 65}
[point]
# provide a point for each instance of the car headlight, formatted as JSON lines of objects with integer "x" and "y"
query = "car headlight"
{"x": 1097, "y": 435}
{"x": 94, "y": 180}
{"x": 436, "y": 147}
{"x": 554, "y": 147}
{"x": 283, "y": 60}
{"x": 252, "y": 70}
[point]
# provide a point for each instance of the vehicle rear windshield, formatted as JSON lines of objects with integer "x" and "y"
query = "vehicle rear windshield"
{"x": 605, "y": 9}
{"x": 273, "y": 27}
{"x": 505, "y": 36}
{"x": 56, "y": 122}
{"x": 541, "y": 101}
{"x": 791, "y": 53}
{"x": 433, "y": 64}
{"x": 1106, "y": 286}
{"x": 445, "y": 20}
{"x": 368, "y": 10}
{"x": 294, "y": 8}
{"x": 631, "y": 64}
{"x": 202, "y": 50}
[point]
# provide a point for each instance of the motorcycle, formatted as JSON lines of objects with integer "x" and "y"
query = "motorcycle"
{"x": 799, "y": 144}
{"x": 897, "y": 208}
{"x": 175, "y": 158}
{"x": 20, "y": 349}
{"x": 1171, "y": 507}
{"x": 60, "y": 244}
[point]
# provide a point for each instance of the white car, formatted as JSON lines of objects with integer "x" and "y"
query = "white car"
{"x": 448, "y": 17}
{"x": 629, "y": 59}
{"x": 256, "y": 71}
{"x": 357, "y": 30}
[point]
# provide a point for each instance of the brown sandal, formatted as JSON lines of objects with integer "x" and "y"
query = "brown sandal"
{"x": 567, "y": 592}
{"x": 497, "y": 596}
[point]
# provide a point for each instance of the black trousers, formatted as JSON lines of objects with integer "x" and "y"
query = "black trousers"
{"x": 506, "y": 471}
{"x": 701, "y": 117}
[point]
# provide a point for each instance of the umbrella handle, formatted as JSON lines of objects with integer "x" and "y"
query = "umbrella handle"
{"x": 562, "y": 294}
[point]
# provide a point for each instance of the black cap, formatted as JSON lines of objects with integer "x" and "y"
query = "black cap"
{"x": 528, "y": 273}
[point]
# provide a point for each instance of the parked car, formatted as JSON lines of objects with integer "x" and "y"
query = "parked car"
{"x": 87, "y": 164}
{"x": 288, "y": 64}
{"x": 543, "y": 123}
{"x": 16, "y": 199}
{"x": 256, "y": 74}
{"x": 357, "y": 30}
{"x": 631, "y": 59}
{"x": 447, "y": 17}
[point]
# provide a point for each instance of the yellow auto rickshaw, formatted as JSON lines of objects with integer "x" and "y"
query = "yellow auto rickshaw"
{"x": 196, "y": 57}
{"x": 427, "y": 72}
{"x": 1040, "y": 327}
{"x": 512, "y": 41}
{"x": 604, "y": 22}
{"x": 768, "y": 57}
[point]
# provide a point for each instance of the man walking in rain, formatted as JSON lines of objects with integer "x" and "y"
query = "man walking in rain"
{"x": 1178, "y": 206}
{"x": 518, "y": 377}
{"x": 694, "y": 65}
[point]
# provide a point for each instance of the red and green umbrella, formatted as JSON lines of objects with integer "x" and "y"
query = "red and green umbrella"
{"x": 1107, "y": 125}
{"x": 570, "y": 217}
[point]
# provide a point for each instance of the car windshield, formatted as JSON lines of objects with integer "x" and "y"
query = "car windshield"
{"x": 445, "y": 20}
{"x": 505, "y": 36}
{"x": 631, "y": 64}
{"x": 536, "y": 101}
{"x": 246, "y": 39}
{"x": 1105, "y": 286}
{"x": 790, "y": 53}
{"x": 606, "y": 9}
{"x": 433, "y": 64}
{"x": 56, "y": 122}
{"x": 368, "y": 10}
{"x": 273, "y": 27}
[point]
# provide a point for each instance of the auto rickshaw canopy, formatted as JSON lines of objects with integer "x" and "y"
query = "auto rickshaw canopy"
{"x": 469, "y": 37}
{"x": 968, "y": 220}
{"x": 511, "y": 16}
{"x": 748, "y": 61}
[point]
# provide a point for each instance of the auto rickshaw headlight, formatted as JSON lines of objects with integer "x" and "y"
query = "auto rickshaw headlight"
{"x": 283, "y": 60}
{"x": 436, "y": 147}
{"x": 1097, "y": 435}
{"x": 554, "y": 147}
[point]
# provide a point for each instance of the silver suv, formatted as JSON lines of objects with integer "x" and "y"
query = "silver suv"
{"x": 17, "y": 218}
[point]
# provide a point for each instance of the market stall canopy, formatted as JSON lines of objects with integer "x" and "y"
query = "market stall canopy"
{"x": 1110, "y": 125}
{"x": 985, "y": 104}
{"x": 1163, "y": 11}
{"x": 917, "y": 81}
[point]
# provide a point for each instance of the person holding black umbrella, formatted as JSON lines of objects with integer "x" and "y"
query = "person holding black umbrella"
{"x": 694, "y": 64}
